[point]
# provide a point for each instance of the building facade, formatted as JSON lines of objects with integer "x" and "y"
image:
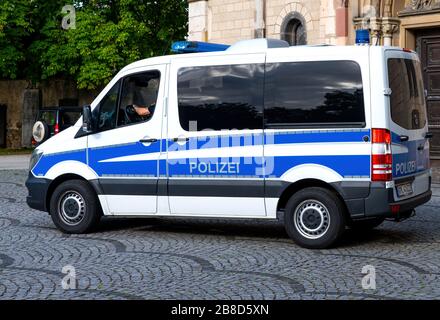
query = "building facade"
{"x": 413, "y": 24}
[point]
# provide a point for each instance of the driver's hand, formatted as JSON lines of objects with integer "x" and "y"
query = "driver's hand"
{"x": 142, "y": 111}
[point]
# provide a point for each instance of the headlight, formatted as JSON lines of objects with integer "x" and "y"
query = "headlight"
{"x": 36, "y": 155}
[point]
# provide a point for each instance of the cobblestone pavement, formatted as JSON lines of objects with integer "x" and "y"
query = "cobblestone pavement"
{"x": 205, "y": 259}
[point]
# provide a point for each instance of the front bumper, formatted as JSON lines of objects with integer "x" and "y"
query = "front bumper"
{"x": 37, "y": 191}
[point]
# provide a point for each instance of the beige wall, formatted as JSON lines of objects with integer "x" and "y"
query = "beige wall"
{"x": 228, "y": 21}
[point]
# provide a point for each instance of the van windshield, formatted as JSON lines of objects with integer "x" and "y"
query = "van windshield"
{"x": 407, "y": 100}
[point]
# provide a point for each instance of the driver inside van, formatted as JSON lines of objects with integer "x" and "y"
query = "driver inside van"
{"x": 139, "y": 98}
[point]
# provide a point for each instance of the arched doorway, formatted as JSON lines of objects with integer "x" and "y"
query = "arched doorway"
{"x": 293, "y": 29}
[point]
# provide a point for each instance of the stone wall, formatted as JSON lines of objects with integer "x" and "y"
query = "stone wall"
{"x": 11, "y": 95}
{"x": 228, "y": 21}
{"x": 21, "y": 100}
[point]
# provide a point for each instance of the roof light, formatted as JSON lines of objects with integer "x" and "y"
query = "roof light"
{"x": 362, "y": 37}
{"x": 196, "y": 46}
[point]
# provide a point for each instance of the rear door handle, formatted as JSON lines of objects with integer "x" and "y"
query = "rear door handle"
{"x": 148, "y": 140}
{"x": 404, "y": 138}
{"x": 429, "y": 135}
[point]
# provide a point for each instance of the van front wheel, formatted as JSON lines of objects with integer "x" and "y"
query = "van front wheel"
{"x": 74, "y": 207}
{"x": 314, "y": 218}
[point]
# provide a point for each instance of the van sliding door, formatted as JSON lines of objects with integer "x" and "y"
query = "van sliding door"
{"x": 215, "y": 136}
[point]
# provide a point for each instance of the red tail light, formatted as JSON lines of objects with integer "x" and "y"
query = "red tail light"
{"x": 381, "y": 157}
{"x": 56, "y": 129}
{"x": 395, "y": 208}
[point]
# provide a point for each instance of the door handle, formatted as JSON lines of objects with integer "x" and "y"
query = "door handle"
{"x": 180, "y": 139}
{"x": 148, "y": 140}
{"x": 421, "y": 147}
{"x": 404, "y": 138}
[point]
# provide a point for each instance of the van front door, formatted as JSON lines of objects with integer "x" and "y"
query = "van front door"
{"x": 215, "y": 136}
{"x": 126, "y": 149}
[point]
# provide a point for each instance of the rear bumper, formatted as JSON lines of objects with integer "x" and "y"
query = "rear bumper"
{"x": 373, "y": 199}
{"x": 410, "y": 204}
{"x": 37, "y": 191}
{"x": 380, "y": 201}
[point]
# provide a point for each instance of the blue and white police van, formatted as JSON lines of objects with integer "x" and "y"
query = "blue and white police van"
{"x": 324, "y": 137}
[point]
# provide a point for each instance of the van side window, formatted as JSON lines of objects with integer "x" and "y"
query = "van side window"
{"x": 221, "y": 97}
{"x": 138, "y": 97}
{"x": 314, "y": 94}
{"x": 107, "y": 109}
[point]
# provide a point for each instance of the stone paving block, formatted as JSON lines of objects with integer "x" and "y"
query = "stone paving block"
{"x": 180, "y": 258}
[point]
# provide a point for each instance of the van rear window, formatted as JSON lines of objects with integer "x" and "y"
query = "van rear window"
{"x": 314, "y": 94}
{"x": 407, "y": 100}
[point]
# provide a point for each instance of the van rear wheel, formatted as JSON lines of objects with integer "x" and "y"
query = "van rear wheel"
{"x": 314, "y": 218}
{"x": 74, "y": 207}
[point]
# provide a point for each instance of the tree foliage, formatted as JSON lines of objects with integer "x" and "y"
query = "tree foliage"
{"x": 14, "y": 27}
{"x": 108, "y": 34}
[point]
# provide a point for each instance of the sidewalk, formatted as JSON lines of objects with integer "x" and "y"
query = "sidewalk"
{"x": 15, "y": 162}
{"x": 435, "y": 165}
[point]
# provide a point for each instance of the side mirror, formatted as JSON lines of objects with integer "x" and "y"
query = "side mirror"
{"x": 87, "y": 125}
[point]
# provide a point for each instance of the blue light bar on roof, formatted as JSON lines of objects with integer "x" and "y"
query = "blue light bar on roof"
{"x": 196, "y": 46}
{"x": 362, "y": 37}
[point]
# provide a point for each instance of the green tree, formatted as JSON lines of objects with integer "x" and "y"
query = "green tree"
{"x": 14, "y": 28}
{"x": 109, "y": 34}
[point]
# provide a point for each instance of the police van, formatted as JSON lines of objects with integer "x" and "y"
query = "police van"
{"x": 323, "y": 137}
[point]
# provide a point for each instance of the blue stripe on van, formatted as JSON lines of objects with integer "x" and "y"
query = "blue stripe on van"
{"x": 47, "y": 161}
{"x": 147, "y": 168}
{"x": 344, "y": 165}
{"x": 411, "y": 162}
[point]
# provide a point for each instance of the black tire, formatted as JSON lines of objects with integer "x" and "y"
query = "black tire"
{"x": 319, "y": 215}
{"x": 364, "y": 225}
{"x": 82, "y": 210}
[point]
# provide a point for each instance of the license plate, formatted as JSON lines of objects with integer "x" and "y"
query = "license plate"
{"x": 404, "y": 190}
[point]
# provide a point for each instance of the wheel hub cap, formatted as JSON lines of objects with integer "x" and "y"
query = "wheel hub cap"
{"x": 71, "y": 208}
{"x": 311, "y": 219}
